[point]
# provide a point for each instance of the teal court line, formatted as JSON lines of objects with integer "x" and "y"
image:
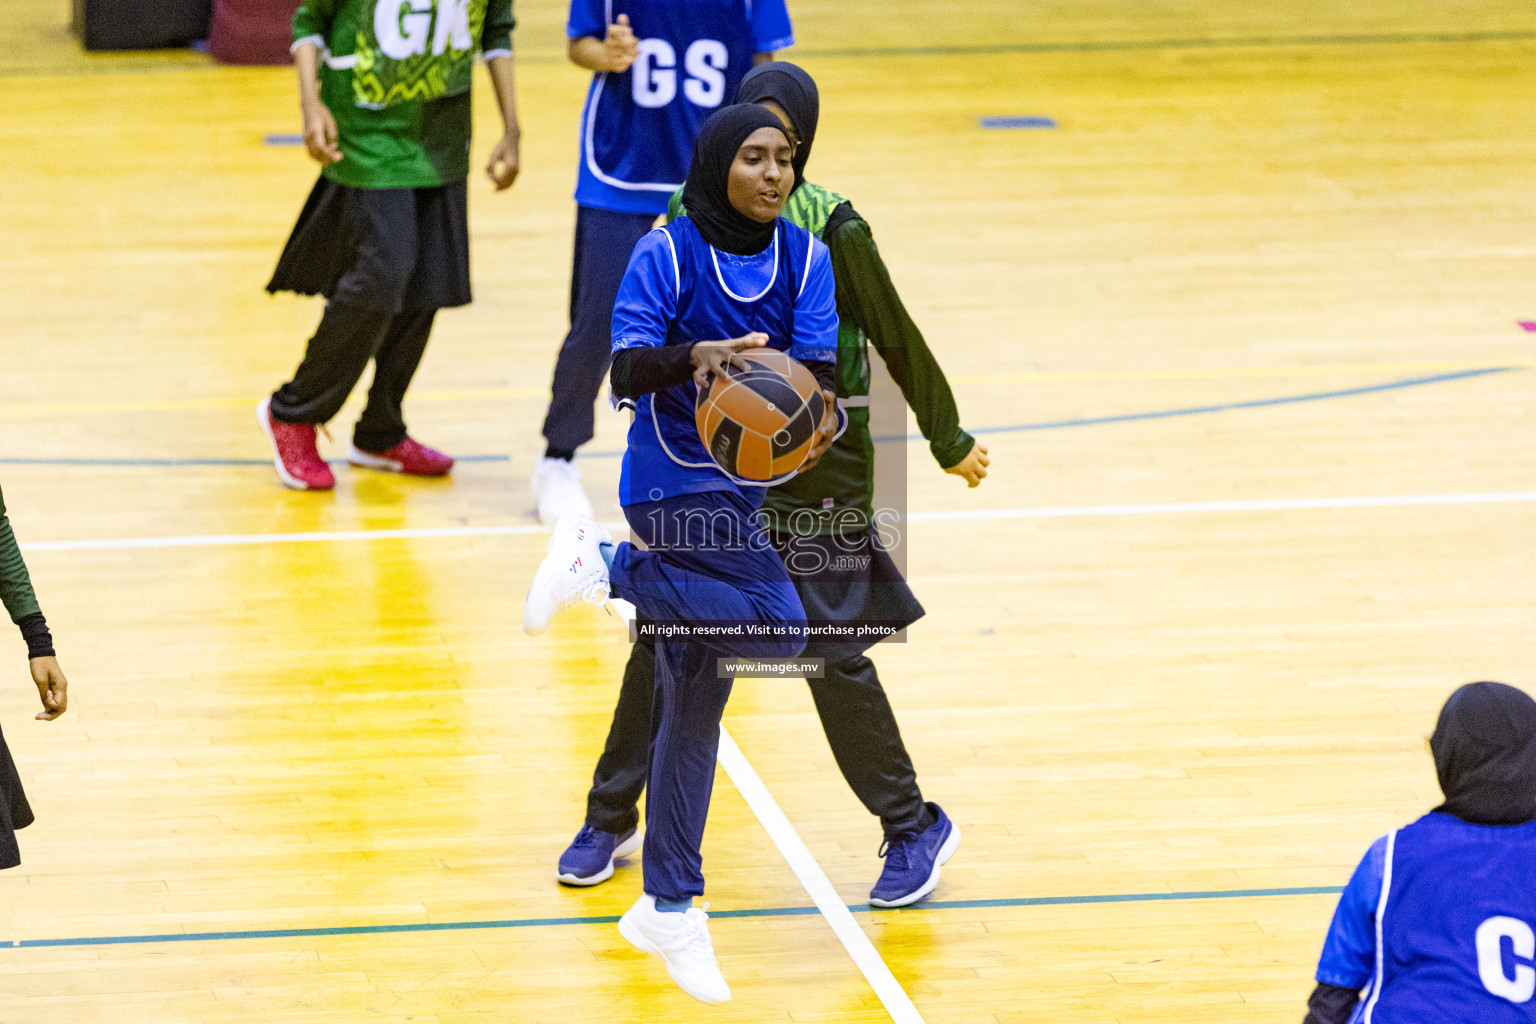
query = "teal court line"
{"x": 1160, "y": 414}
{"x": 547, "y": 922}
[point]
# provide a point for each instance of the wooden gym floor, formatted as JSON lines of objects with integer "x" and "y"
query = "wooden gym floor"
{"x": 1267, "y": 270}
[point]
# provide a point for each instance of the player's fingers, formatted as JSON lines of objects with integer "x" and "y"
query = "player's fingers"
{"x": 754, "y": 340}
{"x": 622, "y": 19}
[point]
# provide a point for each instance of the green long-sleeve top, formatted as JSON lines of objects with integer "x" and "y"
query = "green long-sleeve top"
{"x": 402, "y": 123}
{"x": 15, "y": 585}
{"x": 839, "y": 490}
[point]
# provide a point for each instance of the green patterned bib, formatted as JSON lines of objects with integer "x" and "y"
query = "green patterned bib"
{"x": 415, "y": 50}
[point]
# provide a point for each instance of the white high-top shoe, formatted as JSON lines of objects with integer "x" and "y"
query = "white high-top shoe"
{"x": 556, "y": 484}
{"x": 682, "y": 942}
{"x": 572, "y": 571}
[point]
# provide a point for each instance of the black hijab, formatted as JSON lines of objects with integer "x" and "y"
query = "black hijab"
{"x": 1485, "y": 754}
{"x": 794, "y": 90}
{"x": 706, "y": 193}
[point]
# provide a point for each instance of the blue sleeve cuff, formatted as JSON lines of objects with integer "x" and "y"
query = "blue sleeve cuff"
{"x": 585, "y": 19}
{"x": 1341, "y": 980}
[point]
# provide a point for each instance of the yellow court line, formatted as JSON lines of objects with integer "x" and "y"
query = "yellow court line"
{"x": 23, "y": 410}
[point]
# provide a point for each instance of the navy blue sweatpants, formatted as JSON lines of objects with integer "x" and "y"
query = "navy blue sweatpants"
{"x": 604, "y": 240}
{"x": 708, "y": 561}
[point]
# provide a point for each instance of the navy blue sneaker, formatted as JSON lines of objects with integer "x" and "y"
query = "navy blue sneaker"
{"x": 912, "y": 862}
{"x": 589, "y": 858}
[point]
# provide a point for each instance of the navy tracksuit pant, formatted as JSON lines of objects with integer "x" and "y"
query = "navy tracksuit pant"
{"x": 708, "y": 561}
{"x": 604, "y": 240}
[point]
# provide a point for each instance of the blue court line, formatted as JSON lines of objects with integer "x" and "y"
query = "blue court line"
{"x": 1012, "y": 121}
{"x": 1259, "y": 403}
{"x": 1162, "y": 414}
{"x": 545, "y": 922}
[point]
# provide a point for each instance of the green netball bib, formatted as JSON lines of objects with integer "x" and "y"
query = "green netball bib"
{"x": 415, "y": 50}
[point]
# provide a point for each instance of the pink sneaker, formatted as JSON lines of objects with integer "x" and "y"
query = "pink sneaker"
{"x": 298, "y": 461}
{"x": 409, "y": 457}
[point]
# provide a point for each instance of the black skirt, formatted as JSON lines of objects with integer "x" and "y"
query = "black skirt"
{"x": 844, "y": 583}
{"x": 15, "y": 812}
{"x": 342, "y": 229}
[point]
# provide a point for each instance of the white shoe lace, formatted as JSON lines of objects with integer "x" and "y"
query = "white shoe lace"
{"x": 694, "y": 939}
{"x": 595, "y": 593}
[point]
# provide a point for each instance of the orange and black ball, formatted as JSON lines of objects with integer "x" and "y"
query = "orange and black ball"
{"x": 759, "y": 423}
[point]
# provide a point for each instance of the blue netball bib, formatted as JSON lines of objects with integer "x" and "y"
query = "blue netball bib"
{"x": 637, "y": 128}
{"x": 679, "y": 290}
{"x": 1454, "y": 926}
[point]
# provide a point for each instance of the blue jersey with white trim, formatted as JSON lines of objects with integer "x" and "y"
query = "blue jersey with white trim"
{"x": 1450, "y": 936}
{"x": 679, "y": 289}
{"x": 638, "y": 127}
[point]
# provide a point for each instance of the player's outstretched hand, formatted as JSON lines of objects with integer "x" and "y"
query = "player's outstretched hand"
{"x": 621, "y": 45}
{"x": 712, "y": 357}
{"x": 973, "y": 468}
{"x": 52, "y": 687}
{"x": 825, "y": 433}
{"x": 503, "y": 166}
{"x": 320, "y": 135}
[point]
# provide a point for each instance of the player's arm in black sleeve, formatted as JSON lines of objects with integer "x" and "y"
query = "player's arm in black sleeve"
{"x": 825, "y": 374}
{"x": 1330, "y": 1004}
{"x": 867, "y": 297}
{"x": 641, "y": 371}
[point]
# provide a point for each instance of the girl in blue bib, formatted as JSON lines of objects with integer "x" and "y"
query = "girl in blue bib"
{"x": 728, "y": 277}
{"x": 1438, "y": 922}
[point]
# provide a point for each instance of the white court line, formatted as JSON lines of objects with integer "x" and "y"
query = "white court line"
{"x": 952, "y": 515}
{"x": 815, "y": 881}
{"x": 1262, "y": 505}
{"x": 218, "y": 540}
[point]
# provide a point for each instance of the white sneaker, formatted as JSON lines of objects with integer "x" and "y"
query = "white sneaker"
{"x": 682, "y": 942}
{"x": 572, "y": 571}
{"x": 556, "y": 484}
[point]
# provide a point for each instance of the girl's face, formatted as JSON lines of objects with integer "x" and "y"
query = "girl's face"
{"x": 761, "y": 175}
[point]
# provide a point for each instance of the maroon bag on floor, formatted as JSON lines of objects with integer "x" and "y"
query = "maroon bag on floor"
{"x": 252, "y": 31}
